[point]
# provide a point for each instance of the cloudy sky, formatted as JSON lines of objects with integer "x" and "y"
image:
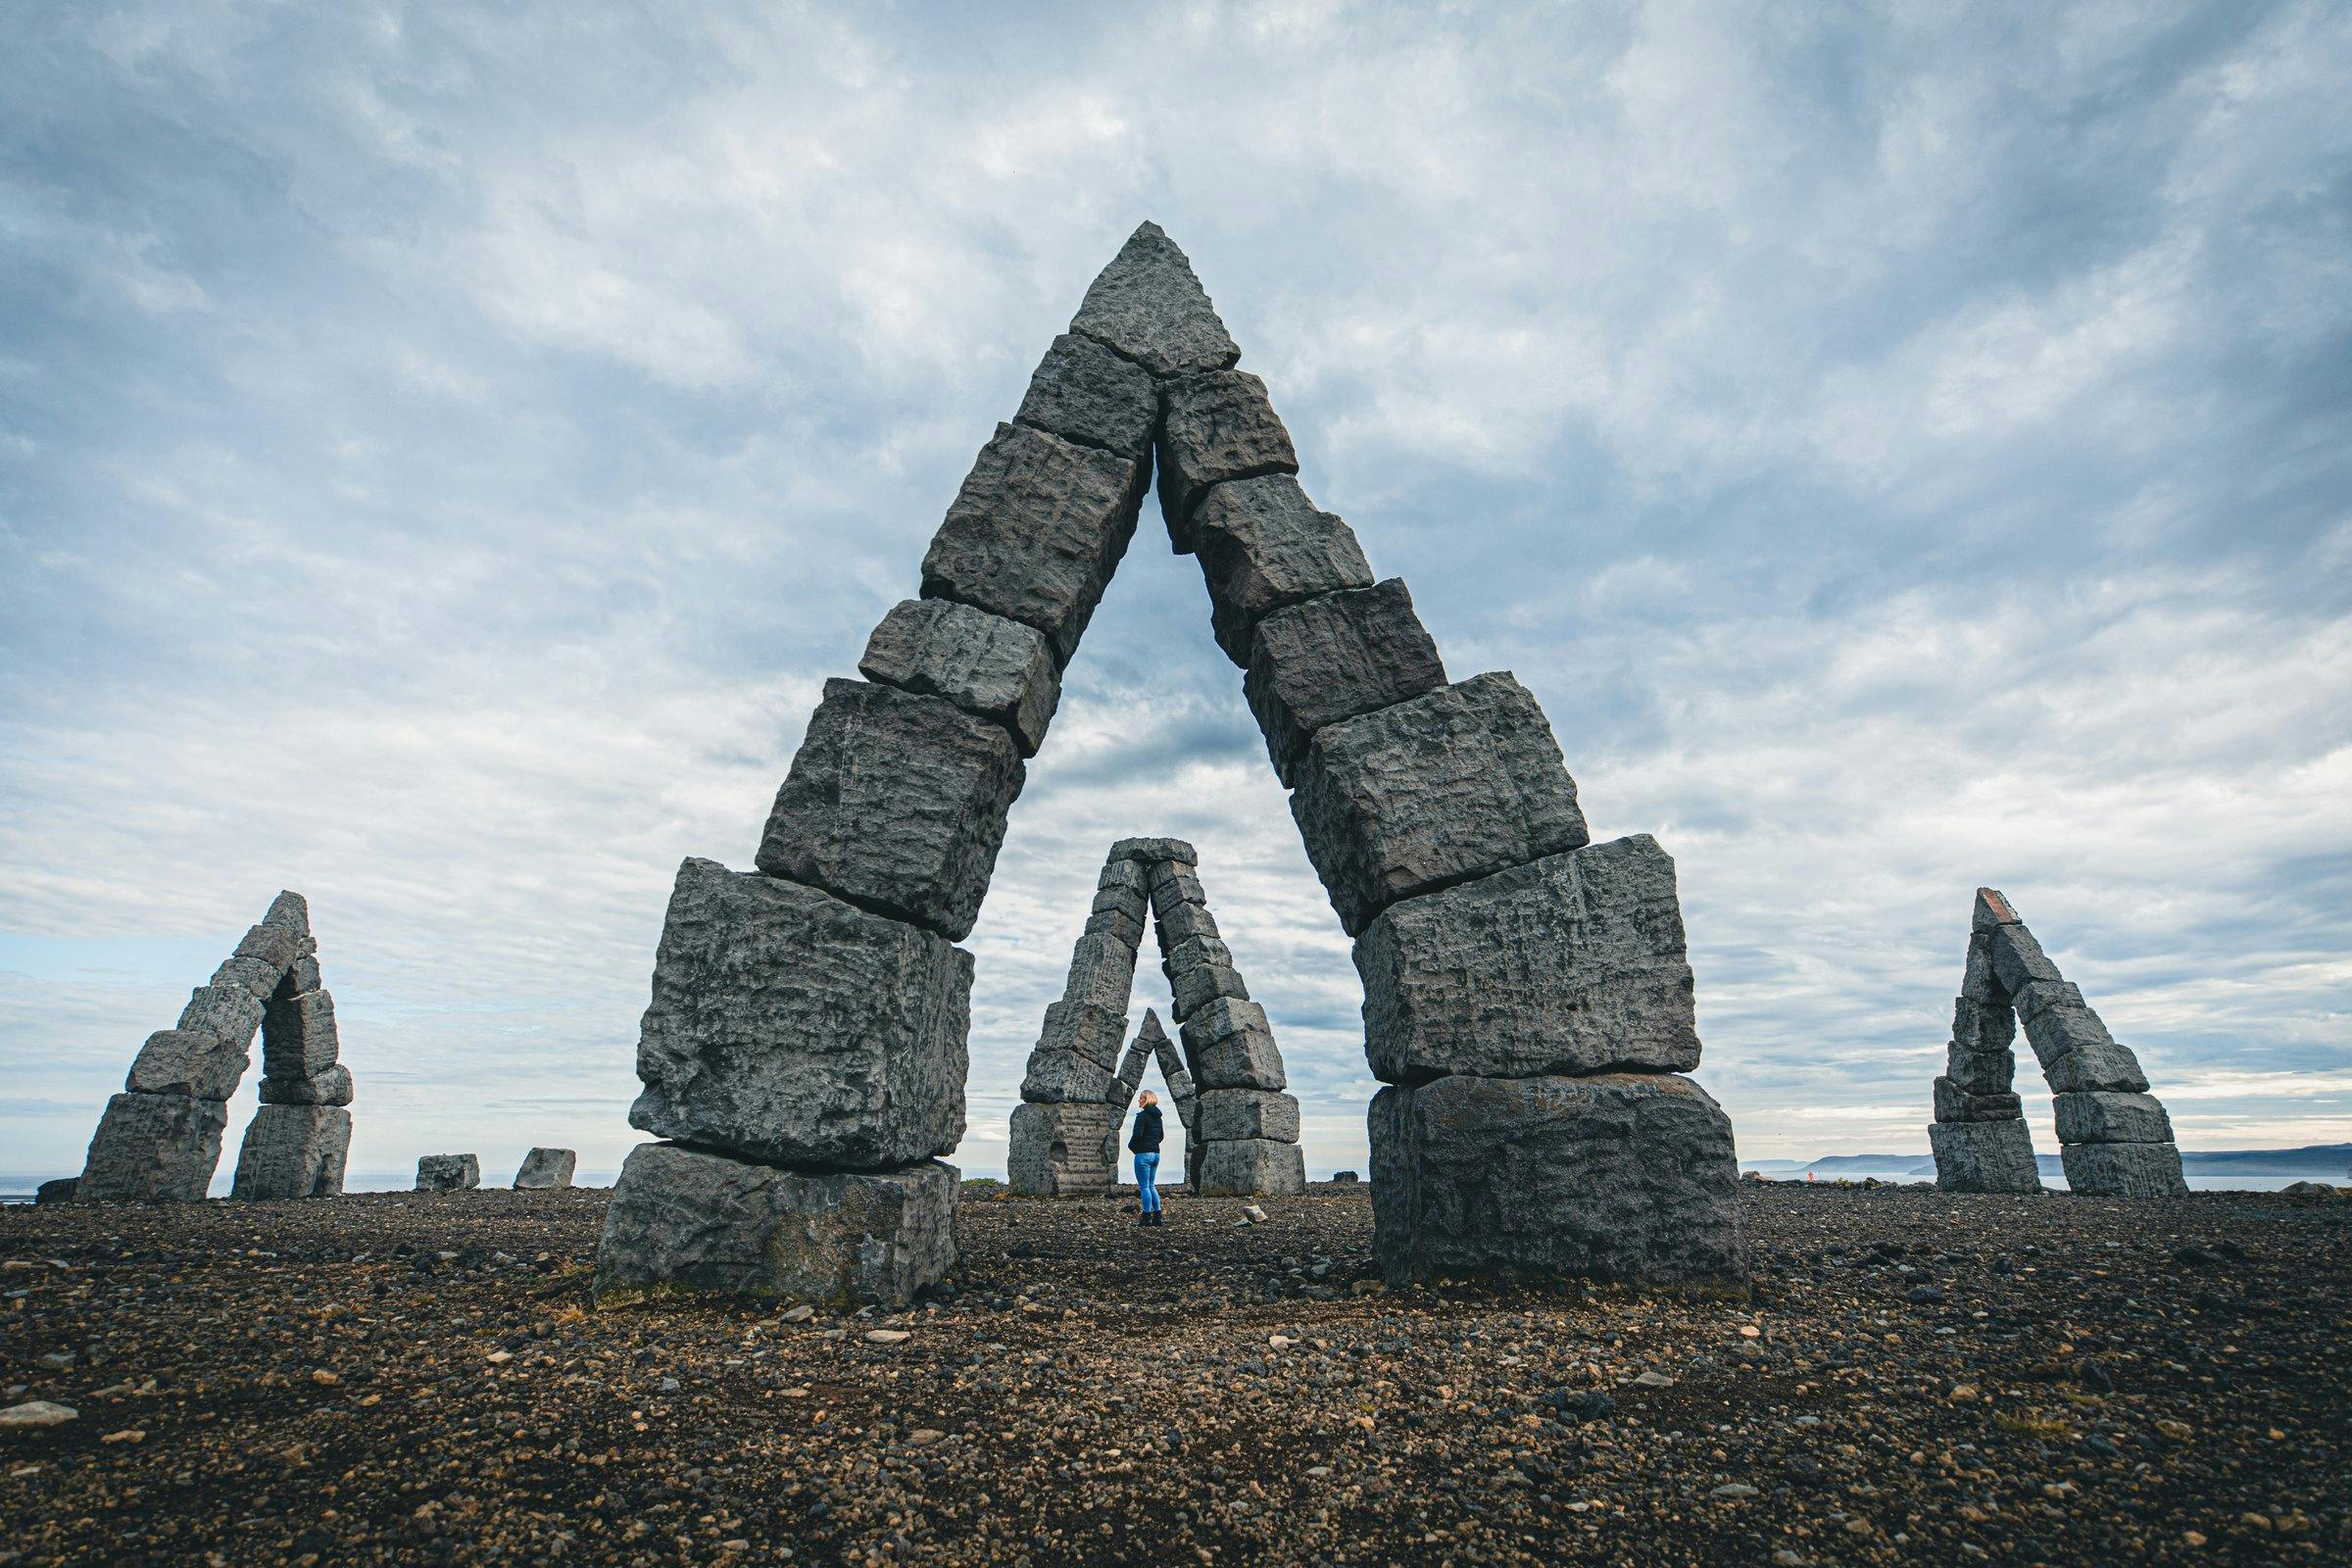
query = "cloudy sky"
{"x": 444, "y": 449}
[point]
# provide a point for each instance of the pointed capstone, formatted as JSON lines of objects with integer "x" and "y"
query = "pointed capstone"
{"x": 1148, "y": 305}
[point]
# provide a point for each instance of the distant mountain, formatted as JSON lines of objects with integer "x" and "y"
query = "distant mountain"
{"x": 2328, "y": 1162}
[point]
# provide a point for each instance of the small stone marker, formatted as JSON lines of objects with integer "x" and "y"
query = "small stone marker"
{"x": 448, "y": 1173}
{"x": 544, "y": 1168}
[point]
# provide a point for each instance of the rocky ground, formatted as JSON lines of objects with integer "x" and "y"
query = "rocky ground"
{"x": 411, "y": 1379}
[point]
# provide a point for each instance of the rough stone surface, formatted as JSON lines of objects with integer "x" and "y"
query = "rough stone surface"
{"x": 1454, "y": 784}
{"x": 271, "y": 943}
{"x": 1215, "y": 427}
{"x": 1333, "y": 658}
{"x": 1148, "y": 305}
{"x": 2063, "y": 1028}
{"x": 1263, "y": 545}
{"x": 1954, "y": 1101}
{"x": 1036, "y": 532}
{"x": 2107, "y": 1117}
{"x": 1983, "y": 1157}
{"x": 1982, "y": 1027}
{"x": 1204, "y": 983}
{"x": 178, "y": 1062}
{"x": 1154, "y": 852}
{"x": 1126, "y": 877}
{"x": 57, "y": 1189}
{"x": 2036, "y": 995}
{"x": 1192, "y": 953}
{"x": 1057, "y": 1150}
{"x": 985, "y": 665}
{"x": 1084, "y": 392}
{"x": 2094, "y": 1067}
{"x": 789, "y": 1026}
{"x": 1977, "y": 984}
{"x": 2018, "y": 960}
{"x": 1980, "y": 1072}
{"x": 1102, "y": 972}
{"x": 1172, "y": 885}
{"x": 1620, "y": 1176}
{"x": 1118, "y": 924}
{"x": 1573, "y": 964}
{"x": 333, "y": 1087}
{"x": 1228, "y": 1044}
{"x": 1094, "y": 1034}
{"x": 2122, "y": 1170}
{"x": 1252, "y": 1166}
{"x": 896, "y": 803}
{"x": 1230, "y": 1114}
{"x": 1991, "y": 909}
{"x": 448, "y": 1173}
{"x": 157, "y": 1149}
{"x": 685, "y": 1219}
{"x": 1185, "y": 923}
{"x": 1057, "y": 1076}
{"x": 227, "y": 1014}
{"x": 293, "y": 1151}
{"x": 546, "y": 1167}
{"x": 298, "y": 1036}
{"x": 258, "y": 975}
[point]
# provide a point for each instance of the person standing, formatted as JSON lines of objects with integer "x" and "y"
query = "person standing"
{"x": 1143, "y": 1144}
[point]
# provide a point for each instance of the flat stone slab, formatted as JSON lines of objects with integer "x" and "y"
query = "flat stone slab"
{"x": 1084, "y": 392}
{"x": 1215, "y": 427}
{"x": 1229, "y": 1045}
{"x": 1036, "y": 532}
{"x": 1623, "y": 1176}
{"x": 682, "y": 1219}
{"x": 1152, "y": 852}
{"x": 1059, "y": 1150}
{"x": 545, "y": 1168}
{"x": 1983, "y": 1157}
{"x": 1204, "y": 983}
{"x": 1056, "y": 1076}
{"x": 1335, "y": 658}
{"x": 1457, "y": 783}
{"x": 1955, "y": 1102}
{"x": 1231, "y": 1114}
{"x": 788, "y": 1026}
{"x": 191, "y": 1062}
{"x": 153, "y": 1149}
{"x": 1092, "y": 1033}
{"x": 1251, "y": 1168}
{"x": 2096, "y": 1067}
{"x": 2109, "y": 1116}
{"x": 995, "y": 669}
{"x": 2122, "y": 1170}
{"x": 2018, "y": 960}
{"x": 257, "y": 975}
{"x": 448, "y": 1173}
{"x": 333, "y": 1087}
{"x": 1575, "y": 963}
{"x": 228, "y": 1013}
{"x": 1263, "y": 545}
{"x": 293, "y": 1151}
{"x": 298, "y": 1038}
{"x": 896, "y": 803}
{"x": 1150, "y": 306}
{"x": 1181, "y": 923}
{"x": 1980, "y": 1072}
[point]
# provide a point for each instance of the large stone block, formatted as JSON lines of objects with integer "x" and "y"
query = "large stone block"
{"x": 1102, "y": 972}
{"x": 1982, "y": 1027}
{"x": 2122, "y": 1170}
{"x": 2095, "y": 1067}
{"x": 2018, "y": 960}
{"x": 1454, "y": 784}
{"x": 1983, "y": 1157}
{"x": 57, "y": 1189}
{"x": 1173, "y": 884}
{"x": 333, "y": 1087}
{"x": 1036, "y": 532}
{"x": 1991, "y": 911}
{"x": 298, "y": 1036}
{"x": 448, "y": 1173}
{"x": 1152, "y": 852}
{"x": 257, "y": 975}
{"x": 153, "y": 1149}
{"x": 1955, "y": 1101}
{"x": 1148, "y": 305}
{"x": 789, "y": 1026}
{"x": 1204, "y": 983}
{"x": 985, "y": 665}
{"x": 1185, "y": 923}
{"x": 1251, "y": 1168}
{"x": 1132, "y": 903}
{"x": 228, "y": 1013}
{"x": 1094, "y": 1034}
{"x": 176, "y": 1061}
{"x": 685, "y": 1219}
{"x": 1083, "y": 392}
{"x": 1980, "y": 1072}
{"x": 2107, "y": 1117}
{"x": 1229, "y": 1045}
{"x": 546, "y": 1168}
{"x": 1230, "y": 1114}
{"x": 1118, "y": 924}
{"x": 1572, "y": 965}
{"x": 1058, "y": 1077}
{"x": 897, "y": 803}
{"x": 293, "y": 1151}
{"x": 1333, "y": 658}
{"x": 1977, "y": 983}
{"x": 1057, "y": 1151}
{"x": 1193, "y": 953}
{"x": 1622, "y": 1176}
{"x": 1125, "y": 876}
{"x": 1215, "y": 427}
{"x": 1263, "y": 545}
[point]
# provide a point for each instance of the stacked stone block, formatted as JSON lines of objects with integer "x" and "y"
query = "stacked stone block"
{"x": 159, "y": 1138}
{"x": 2114, "y": 1137}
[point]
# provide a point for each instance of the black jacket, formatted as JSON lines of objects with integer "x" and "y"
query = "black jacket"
{"x": 1145, "y": 1139}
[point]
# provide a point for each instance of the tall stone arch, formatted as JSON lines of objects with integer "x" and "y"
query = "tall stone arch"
{"x": 1527, "y": 995}
{"x": 2114, "y": 1137}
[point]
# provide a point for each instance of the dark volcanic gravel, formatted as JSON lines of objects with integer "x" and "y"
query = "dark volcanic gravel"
{"x": 1919, "y": 1379}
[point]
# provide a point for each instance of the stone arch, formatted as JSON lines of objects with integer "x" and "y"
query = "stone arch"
{"x": 1528, "y": 999}
{"x": 2114, "y": 1137}
{"x": 159, "y": 1140}
{"x": 1064, "y": 1133}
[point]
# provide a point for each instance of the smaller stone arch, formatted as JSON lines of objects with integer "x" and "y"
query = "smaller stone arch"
{"x": 2114, "y": 1137}
{"x": 1241, "y": 1128}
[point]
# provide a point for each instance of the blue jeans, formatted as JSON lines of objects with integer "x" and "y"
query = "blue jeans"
{"x": 1146, "y": 1172}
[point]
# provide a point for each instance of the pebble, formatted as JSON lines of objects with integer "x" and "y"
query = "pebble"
{"x": 37, "y": 1413}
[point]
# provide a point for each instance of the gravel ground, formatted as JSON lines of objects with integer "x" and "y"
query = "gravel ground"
{"x": 1918, "y": 1378}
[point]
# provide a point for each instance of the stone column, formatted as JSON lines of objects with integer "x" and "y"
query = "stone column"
{"x": 1063, "y": 1130}
{"x": 300, "y": 1139}
{"x": 1978, "y": 1135}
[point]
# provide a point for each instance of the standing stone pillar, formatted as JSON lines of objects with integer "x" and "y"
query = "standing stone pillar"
{"x": 300, "y": 1139}
{"x": 1979, "y": 1137}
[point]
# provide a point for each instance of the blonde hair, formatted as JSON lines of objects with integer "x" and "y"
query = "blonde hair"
{"x": 1150, "y": 1098}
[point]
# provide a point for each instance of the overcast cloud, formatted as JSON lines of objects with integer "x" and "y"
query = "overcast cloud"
{"x": 444, "y": 449}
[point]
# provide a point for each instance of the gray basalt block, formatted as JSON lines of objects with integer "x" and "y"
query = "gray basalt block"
{"x": 1173, "y": 884}
{"x": 1263, "y": 545}
{"x": 1229, "y": 1114}
{"x": 1954, "y": 1101}
{"x": 1228, "y": 1044}
{"x": 293, "y": 1151}
{"x": 1991, "y": 909}
{"x": 1454, "y": 784}
{"x": 2107, "y": 1117}
{"x": 1980, "y": 1072}
{"x": 1061, "y": 1077}
{"x": 1332, "y": 659}
{"x": 985, "y": 665}
{"x": 1154, "y": 852}
{"x": 1117, "y": 923}
{"x": 271, "y": 943}
{"x": 1977, "y": 984}
{"x": 1575, "y": 963}
{"x": 298, "y": 1036}
{"x": 1251, "y": 1168}
{"x": 1215, "y": 427}
{"x": 1204, "y": 983}
{"x": 176, "y": 1061}
{"x": 1102, "y": 972}
{"x": 1148, "y": 305}
{"x": 1126, "y": 877}
{"x": 1132, "y": 1069}
{"x": 1983, "y": 1157}
{"x": 789, "y": 1026}
{"x": 153, "y": 1149}
{"x": 1192, "y": 953}
{"x": 545, "y": 1168}
{"x": 2122, "y": 1170}
{"x": 1084, "y": 392}
{"x": 291, "y": 910}
{"x": 227, "y": 1014}
{"x": 1982, "y": 1027}
{"x": 2096, "y": 1068}
{"x": 686, "y": 1219}
{"x": 897, "y": 803}
{"x": 1622, "y": 1176}
{"x": 1036, "y": 532}
{"x": 1181, "y": 923}
{"x": 331, "y": 1087}
{"x": 258, "y": 975}
{"x": 1057, "y": 1150}
{"x": 300, "y": 976}
{"x": 448, "y": 1173}
{"x": 57, "y": 1189}
{"x": 2018, "y": 960}
{"x": 1133, "y": 902}
{"x": 1093, "y": 1033}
